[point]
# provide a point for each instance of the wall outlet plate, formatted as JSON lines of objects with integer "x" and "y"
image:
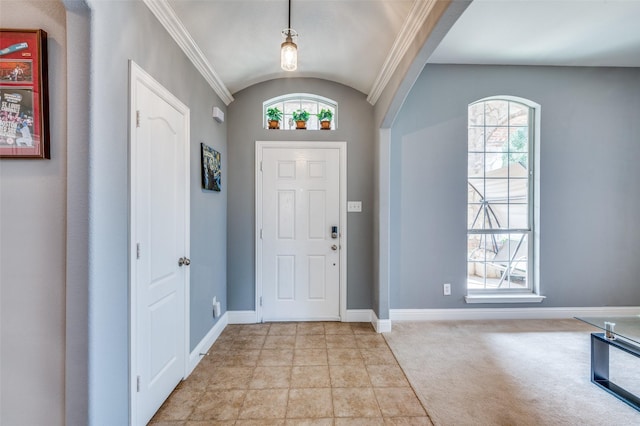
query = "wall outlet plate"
{"x": 446, "y": 288}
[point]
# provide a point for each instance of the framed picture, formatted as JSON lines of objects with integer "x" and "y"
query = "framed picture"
{"x": 24, "y": 94}
{"x": 211, "y": 173}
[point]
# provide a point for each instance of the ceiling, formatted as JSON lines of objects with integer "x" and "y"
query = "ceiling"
{"x": 545, "y": 32}
{"x": 236, "y": 43}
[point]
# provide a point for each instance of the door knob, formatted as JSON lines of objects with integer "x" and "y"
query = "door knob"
{"x": 334, "y": 247}
{"x": 184, "y": 261}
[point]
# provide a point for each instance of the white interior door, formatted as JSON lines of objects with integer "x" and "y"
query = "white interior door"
{"x": 159, "y": 147}
{"x": 300, "y": 260}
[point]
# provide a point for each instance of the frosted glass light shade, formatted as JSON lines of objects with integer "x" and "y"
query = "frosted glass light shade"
{"x": 289, "y": 55}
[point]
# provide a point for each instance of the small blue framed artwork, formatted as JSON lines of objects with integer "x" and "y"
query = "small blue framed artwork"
{"x": 211, "y": 169}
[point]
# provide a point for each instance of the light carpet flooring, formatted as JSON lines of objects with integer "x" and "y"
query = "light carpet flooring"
{"x": 522, "y": 372}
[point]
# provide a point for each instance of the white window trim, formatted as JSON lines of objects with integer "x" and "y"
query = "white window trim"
{"x": 534, "y": 295}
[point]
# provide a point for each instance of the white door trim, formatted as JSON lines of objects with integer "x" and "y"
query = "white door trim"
{"x": 342, "y": 147}
{"x": 136, "y": 73}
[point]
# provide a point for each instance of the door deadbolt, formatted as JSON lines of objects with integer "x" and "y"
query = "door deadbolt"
{"x": 334, "y": 247}
{"x": 184, "y": 261}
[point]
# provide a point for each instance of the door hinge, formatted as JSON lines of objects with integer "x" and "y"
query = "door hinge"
{"x": 261, "y": 166}
{"x": 261, "y": 234}
{"x": 137, "y": 250}
{"x": 260, "y": 300}
{"x": 137, "y": 118}
{"x": 138, "y": 384}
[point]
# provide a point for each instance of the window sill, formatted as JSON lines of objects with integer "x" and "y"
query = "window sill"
{"x": 504, "y": 298}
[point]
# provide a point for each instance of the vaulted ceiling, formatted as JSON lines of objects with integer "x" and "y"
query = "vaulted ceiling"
{"x": 236, "y": 43}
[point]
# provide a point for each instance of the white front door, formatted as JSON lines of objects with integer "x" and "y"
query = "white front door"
{"x": 300, "y": 259}
{"x": 159, "y": 236}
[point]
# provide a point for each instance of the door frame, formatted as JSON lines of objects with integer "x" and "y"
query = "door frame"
{"x": 137, "y": 74}
{"x": 342, "y": 201}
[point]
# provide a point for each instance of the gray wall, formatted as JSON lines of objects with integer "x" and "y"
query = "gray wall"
{"x": 141, "y": 38}
{"x": 355, "y": 126}
{"x": 588, "y": 170}
{"x": 32, "y": 247}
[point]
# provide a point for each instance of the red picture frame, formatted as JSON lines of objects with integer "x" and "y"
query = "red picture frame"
{"x": 24, "y": 94}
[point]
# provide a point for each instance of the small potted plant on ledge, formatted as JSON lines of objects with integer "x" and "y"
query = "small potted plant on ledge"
{"x": 301, "y": 117}
{"x": 274, "y": 115}
{"x": 324, "y": 117}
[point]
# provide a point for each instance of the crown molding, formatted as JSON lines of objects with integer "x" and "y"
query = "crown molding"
{"x": 170, "y": 21}
{"x": 412, "y": 25}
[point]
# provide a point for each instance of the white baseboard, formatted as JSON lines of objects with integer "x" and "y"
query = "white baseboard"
{"x": 250, "y": 317}
{"x": 208, "y": 341}
{"x": 358, "y": 315}
{"x": 381, "y": 326}
{"x": 508, "y": 313}
{"x": 243, "y": 317}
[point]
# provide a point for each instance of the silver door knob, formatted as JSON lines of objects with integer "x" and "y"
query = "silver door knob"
{"x": 334, "y": 247}
{"x": 184, "y": 261}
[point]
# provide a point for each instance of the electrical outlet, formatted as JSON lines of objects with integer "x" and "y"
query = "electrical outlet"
{"x": 215, "y": 300}
{"x": 446, "y": 288}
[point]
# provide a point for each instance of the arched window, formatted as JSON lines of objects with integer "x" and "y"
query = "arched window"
{"x": 501, "y": 201}
{"x": 292, "y": 102}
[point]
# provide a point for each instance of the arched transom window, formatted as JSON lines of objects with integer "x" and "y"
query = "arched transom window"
{"x": 293, "y": 102}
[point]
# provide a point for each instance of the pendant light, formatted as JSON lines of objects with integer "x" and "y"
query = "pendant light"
{"x": 288, "y": 49}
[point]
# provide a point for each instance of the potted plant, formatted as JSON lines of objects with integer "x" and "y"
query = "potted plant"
{"x": 274, "y": 115}
{"x": 301, "y": 117}
{"x": 324, "y": 117}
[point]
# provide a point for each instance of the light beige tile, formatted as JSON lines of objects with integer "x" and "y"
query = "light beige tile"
{"x": 179, "y": 405}
{"x": 349, "y": 376}
{"x": 310, "y": 422}
{"x": 387, "y": 376}
{"x": 310, "y": 357}
{"x": 166, "y": 423}
{"x": 240, "y": 358}
{"x": 310, "y": 403}
{"x": 396, "y": 402}
{"x": 254, "y": 330}
{"x": 264, "y": 404}
{"x": 275, "y": 357}
{"x": 261, "y": 422}
{"x": 280, "y": 342}
{"x": 363, "y": 328}
{"x": 230, "y": 378}
{"x": 248, "y": 342}
{"x": 219, "y": 405}
{"x": 210, "y": 423}
{"x": 283, "y": 328}
{"x": 376, "y": 356}
{"x": 310, "y": 341}
{"x": 359, "y": 421}
{"x": 337, "y": 328}
{"x": 370, "y": 341}
{"x": 341, "y": 341}
{"x": 310, "y": 328}
{"x": 312, "y": 376}
{"x": 408, "y": 421}
{"x": 344, "y": 357}
{"x": 355, "y": 402}
{"x": 271, "y": 378}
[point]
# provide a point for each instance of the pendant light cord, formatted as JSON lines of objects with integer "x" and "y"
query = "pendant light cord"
{"x": 289, "y": 17}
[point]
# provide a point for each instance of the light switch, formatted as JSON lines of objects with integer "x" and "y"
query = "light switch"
{"x": 354, "y": 206}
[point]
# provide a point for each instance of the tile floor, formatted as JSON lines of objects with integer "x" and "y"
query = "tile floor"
{"x": 315, "y": 373}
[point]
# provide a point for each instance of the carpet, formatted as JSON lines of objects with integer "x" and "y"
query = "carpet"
{"x": 510, "y": 372}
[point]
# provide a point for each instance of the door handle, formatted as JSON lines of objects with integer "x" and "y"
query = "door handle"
{"x": 184, "y": 261}
{"x": 334, "y": 247}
